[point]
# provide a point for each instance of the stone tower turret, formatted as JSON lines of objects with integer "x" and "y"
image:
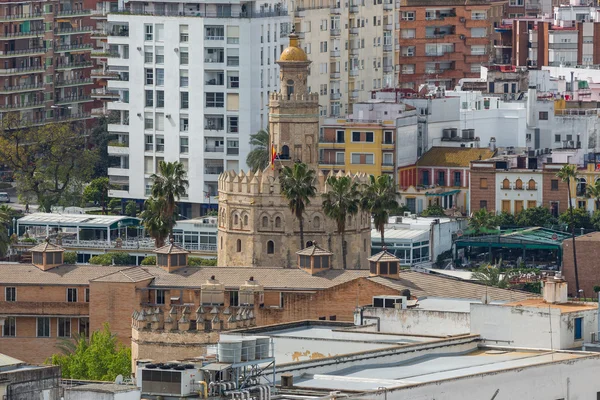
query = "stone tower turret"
{"x": 294, "y": 112}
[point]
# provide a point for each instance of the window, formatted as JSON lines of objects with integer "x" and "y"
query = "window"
{"x": 149, "y": 144}
{"x": 160, "y": 55}
{"x": 149, "y": 98}
{"x": 183, "y": 33}
{"x": 554, "y": 208}
{"x": 270, "y": 247}
{"x": 408, "y": 16}
{"x": 506, "y": 206}
{"x": 505, "y": 184}
{"x": 362, "y": 158}
{"x": 43, "y": 327}
{"x": 478, "y": 32}
{"x": 149, "y": 76}
{"x": 160, "y": 77}
{"x": 518, "y": 206}
{"x": 425, "y": 180}
{"x": 369, "y": 137}
{"x": 215, "y": 99}
{"x": 183, "y": 57}
{"x": 160, "y": 98}
{"x": 64, "y": 327}
{"x": 72, "y": 295}
{"x": 232, "y": 124}
{"x": 160, "y": 32}
{"x": 441, "y": 178}
{"x": 234, "y": 298}
{"x": 578, "y": 331}
{"x": 239, "y": 246}
{"x": 184, "y": 145}
{"x": 554, "y": 185}
{"x": 277, "y": 222}
{"x": 184, "y": 100}
{"x": 10, "y": 293}
{"x": 265, "y": 222}
{"x": 543, "y": 115}
{"x": 483, "y": 204}
{"x": 10, "y": 327}
{"x": 184, "y": 124}
{"x": 148, "y": 121}
{"x": 531, "y": 184}
{"x": 388, "y": 158}
{"x": 483, "y": 184}
{"x": 184, "y": 79}
{"x": 356, "y": 136}
{"x": 557, "y": 138}
{"x": 160, "y": 296}
{"x": 149, "y": 32}
{"x": 478, "y": 15}
{"x": 531, "y": 204}
{"x": 457, "y": 180}
{"x": 86, "y": 294}
{"x": 519, "y": 184}
{"x": 148, "y": 56}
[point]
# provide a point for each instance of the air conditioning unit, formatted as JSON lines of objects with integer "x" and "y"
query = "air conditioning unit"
{"x": 462, "y": 37}
{"x": 398, "y": 302}
{"x": 462, "y": 19}
{"x": 446, "y": 133}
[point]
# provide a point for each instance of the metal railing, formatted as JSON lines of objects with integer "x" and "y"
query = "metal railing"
{"x": 38, "y": 50}
{"x": 214, "y": 170}
{"x": 84, "y": 64}
{"x": 65, "y": 13}
{"x": 73, "y": 30}
{"x": 21, "y": 16}
{"x": 21, "y": 34}
{"x": 334, "y": 162}
{"x": 72, "y": 99}
{"x": 73, "y": 82}
{"x": 168, "y": 13}
{"x": 68, "y": 47}
{"x": 22, "y": 87}
{"x": 27, "y": 104}
{"x": 213, "y": 149}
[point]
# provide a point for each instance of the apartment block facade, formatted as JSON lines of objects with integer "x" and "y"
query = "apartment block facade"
{"x": 45, "y": 73}
{"x": 199, "y": 76}
{"x": 445, "y": 40}
{"x": 352, "y": 47}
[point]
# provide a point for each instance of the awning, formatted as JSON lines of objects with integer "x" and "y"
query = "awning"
{"x": 450, "y": 193}
{"x": 216, "y": 367}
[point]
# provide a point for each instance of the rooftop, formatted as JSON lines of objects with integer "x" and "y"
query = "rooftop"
{"x": 453, "y": 156}
{"x": 564, "y": 307}
{"x": 82, "y": 220}
{"x": 104, "y": 388}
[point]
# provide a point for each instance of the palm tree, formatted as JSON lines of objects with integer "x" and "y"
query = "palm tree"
{"x": 342, "y": 200}
{"x": 379, "y": 199}
{"x": 567, "y": 174}
{"x": 297, "y": 185}
{"x": 170, "y": 185}
{"x": 258, "y": 158}
{"x": 155, "y": 220}
{"x": 593, "y": 192}
{"x": 482, "y": 220}
{"x": 492, "y": 275}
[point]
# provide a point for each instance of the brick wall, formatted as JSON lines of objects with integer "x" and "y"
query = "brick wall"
{"x": 477, "y": 193}
{"x": 548, "y": 195}
{"x": 588, "y": 254}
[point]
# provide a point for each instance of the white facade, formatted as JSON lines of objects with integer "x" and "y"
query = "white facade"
{"x": 198, "y": 88}
{"x": 526, "y": 194}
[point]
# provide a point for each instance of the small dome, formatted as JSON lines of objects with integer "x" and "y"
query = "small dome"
{"x": 293, "y": 52}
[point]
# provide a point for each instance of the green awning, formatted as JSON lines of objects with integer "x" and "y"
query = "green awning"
{"x": 449, "y": 193}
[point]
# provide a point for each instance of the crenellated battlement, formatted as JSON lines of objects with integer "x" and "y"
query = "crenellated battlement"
{"x": 267, "y": 182}
{"x": 296, "y": 97}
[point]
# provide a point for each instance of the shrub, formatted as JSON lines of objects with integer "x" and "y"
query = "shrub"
{"x": 596, "y": 288}
{"x": 150, "y": 260}
{"x": 70, "y": 257}
{"x": 204, "y": 262}
{"x": 108, "y": 258}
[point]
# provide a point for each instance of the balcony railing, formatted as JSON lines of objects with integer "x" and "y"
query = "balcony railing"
{"x": 38, "y": 50}
{"x": 282, "y": 12}
{"x": 74, "y": 82}
{"x": 213, "y": 149}
{"x": 20, "y": 88}
{"x": 21, "y": 34}
{"x": 73, "y": 13}
{"x": 66, "y": 31}
{"x": 331, "y": 162}
{"x": 213, "y": 170}
{"x": 233, "y": 151}
{"x": 36, "y": 15}
{"x": 73, "y": 99}
{"x": 70, "y": 47}
{"x": 84, "y": 64}
{"x": 27, "y": 104}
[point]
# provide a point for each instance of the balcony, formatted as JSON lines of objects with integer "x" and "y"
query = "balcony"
{"x": 335, "y": 96}
{"x": 331, "y": 162}
{"x": 387, "y": 48}
{"x": 118, "y": 171}
{"x": 233, "y": 151}
{"x": 72, "y": 31}
{"x": 73, "y": 82}
{"x": 118, "y": 148}
{"x": 334, "y": 75}
{"x": 101, "y": 53}
{"x": 21, "y": 88}
{"x": 388, "y": 68}
{"x": 71, "y": 47}
{"x": 73, "y": 13}
{"x": 98, "y": 112}
{"x": 73, "y": 99}
{"x": 214, "y": 149}
{"x": 21, "y": 35}
{"x": 104, "y": 94}
{"x": 22, "y": 53}
{"x": 353, "y": 72}
{"x": 388, "y": 6}
{"x": 354, "y": 94}
{"x": 354, "y": 31}
{"x": 335, "y": 32}
{"x": 63, "y": 67}
{"x": 353, "y": 9}
{"x": 334, "y": 53}
{"x": 102, "y": 74}
{"x": 21, "y": 17}
{"x": 15, "y": 308}
{"x": 354, "y": 51}
{"x": 335, "y": 10}
{"x": 212, "y": 170}
{"x": 388, "y": 27}
{"x": 23, "y": 106}
{"x": 20, "y": 71}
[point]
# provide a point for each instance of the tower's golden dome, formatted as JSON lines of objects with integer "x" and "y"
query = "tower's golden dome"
{"x": 293, "y": 52}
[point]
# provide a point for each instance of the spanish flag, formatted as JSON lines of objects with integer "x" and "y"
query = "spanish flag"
{"x": 273, "y": 156}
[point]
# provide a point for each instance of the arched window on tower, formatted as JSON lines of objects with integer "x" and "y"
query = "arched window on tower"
{"x": 285, "y": 152}
{"x": 239, "y": 246}
{"x": 290, "y": 88}
{"x": 270, "y": 247}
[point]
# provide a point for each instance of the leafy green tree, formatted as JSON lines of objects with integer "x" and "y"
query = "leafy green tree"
{"x": 379, "y": 198}
{"x": 169, "y": 184}
{"x": 505, "y": 219}
{"x": 97, "y": 192}
{"x": 298, "y": 187}
{"x": 482, "y": 220}
{"x": 341, "y": 200}
{"x": 535, "y": 216}
{"x": 149, "y": 260}
{"x": 131, "y": 208}
{"x": 70, "y": 257}
{"x": 433, "y": 210}
{"x": 259, "y": 157}
{"x": 6, "y": 217}
{"x": 578, "y": 218}
{"x": 115, "y": 258}
{"x": 593, "y": 192}
{"x": 596, "y": 220}
{"x": 155, "y": 220}
{"x": 114, "y": 204}
{"x": 492, "y": 275}
{"x": 99, "y": 139}
{"x": 99, "y": 358}
{"x": 568, "y": 173}
{"x": 47, "y": 160}
{"x": 202, "y": 262}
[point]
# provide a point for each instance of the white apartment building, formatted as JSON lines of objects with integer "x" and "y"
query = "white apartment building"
{"x": 199, "y": 76}
{"x": 352, "y": 47}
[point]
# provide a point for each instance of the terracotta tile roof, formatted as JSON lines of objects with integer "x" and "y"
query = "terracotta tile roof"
{"x": 383, "y": 256}
{"x": 27, "y": 274}
{"x": 46, "y": 246}
{"x": 421, "y": 284}
{"x": 171, "y": 248}
{"x": 314, "y": 251}
{"x": 453, "y": 156}
{"x": 131, "y": 274}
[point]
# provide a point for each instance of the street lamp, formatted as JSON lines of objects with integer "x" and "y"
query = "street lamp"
{"x": 119, "y": 225}
{"x": 14, "y": 224}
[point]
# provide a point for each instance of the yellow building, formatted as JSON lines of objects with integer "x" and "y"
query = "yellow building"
{"x": 367, "y": 146}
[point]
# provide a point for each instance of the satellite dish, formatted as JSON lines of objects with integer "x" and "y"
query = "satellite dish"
{"x": 119, "y": 380}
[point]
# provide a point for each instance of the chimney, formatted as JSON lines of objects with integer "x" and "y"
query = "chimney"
{"x": 314, "y": 259}
{"x": 171, "y": 257}
{"x": 248, "y": 290}
{"x": 46, "y": 255}
{"x": 493, "y": 143}
{"x": 212, "y": 293}
{"x": 555, "y": 290}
